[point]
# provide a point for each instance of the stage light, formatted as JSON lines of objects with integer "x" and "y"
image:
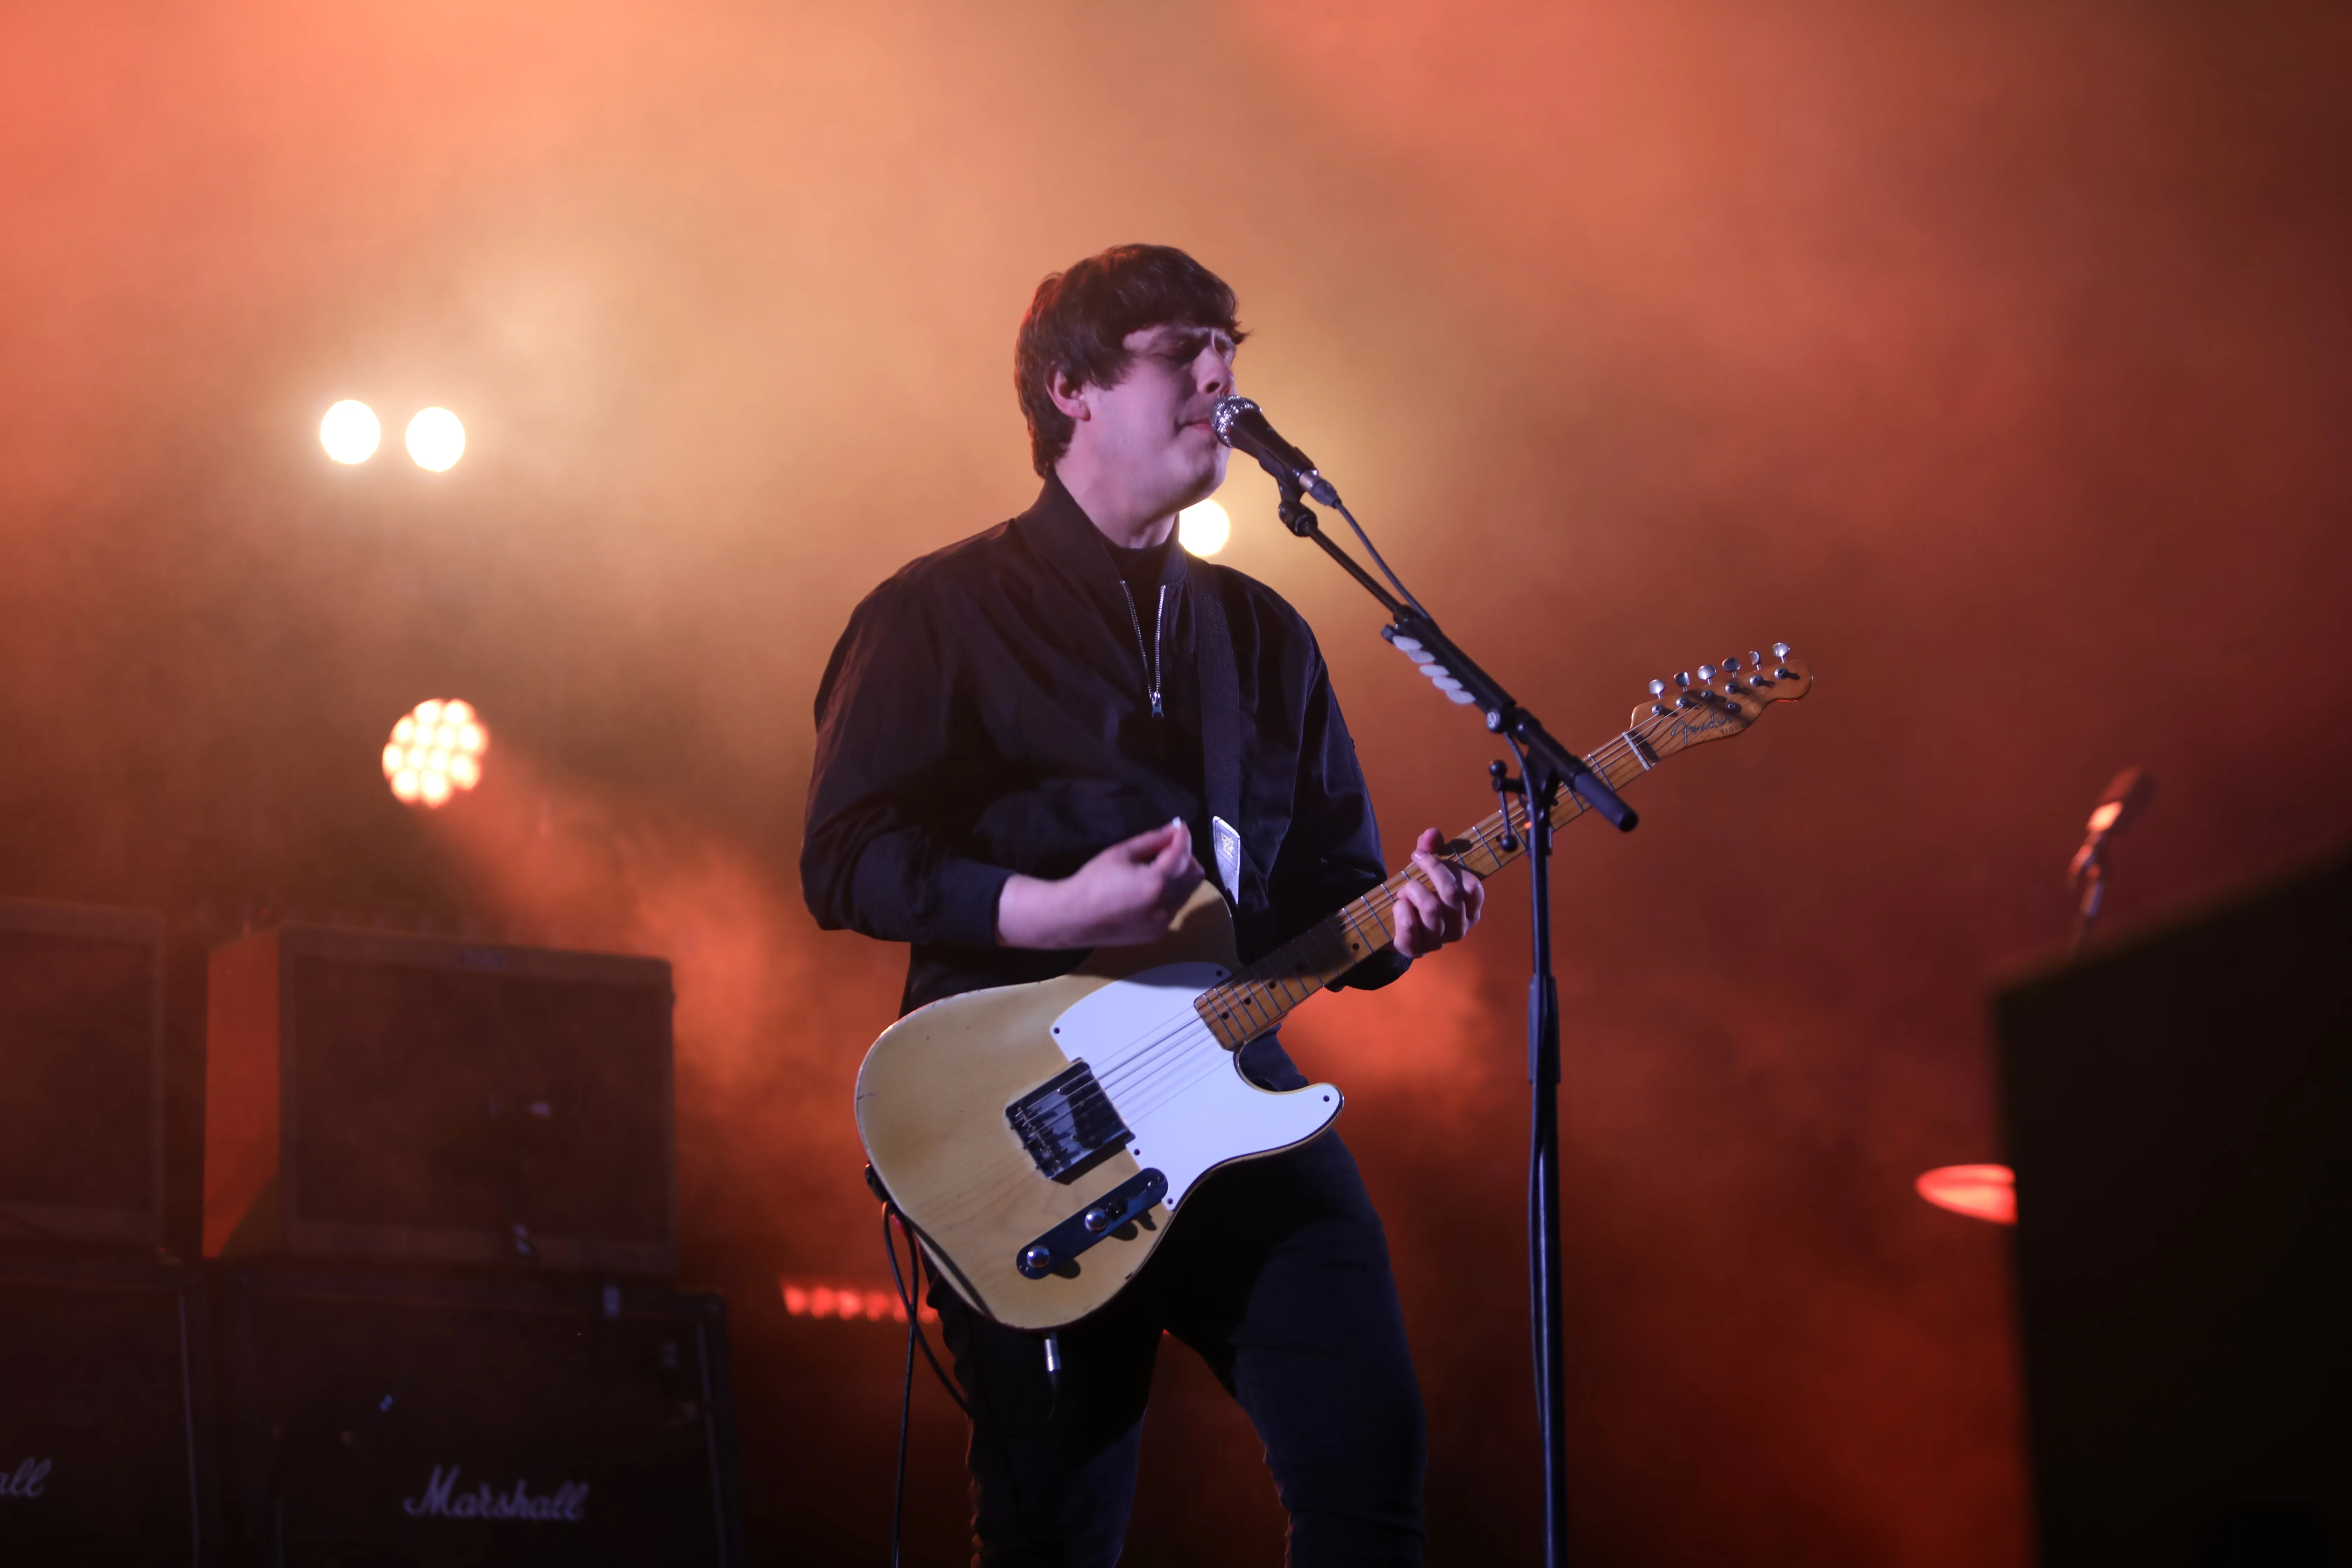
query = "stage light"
{"x": 435, "y": 439}
{"x": 350, "y": 432}
{"x": 436, "y": 752}
{"x": 1980, "y": 1191}
{"x": 850, "y": 1304}
{"x": 1204, "y": 529}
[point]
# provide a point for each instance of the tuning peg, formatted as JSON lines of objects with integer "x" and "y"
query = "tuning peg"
{"x": 1682, "y": 678}
{"x": 1707, "y": 672}
{"x": 1732, "y": 663}
{"x": 1780, "y": 651}
{"x": 1657, "y": 688}
{"x": 1756, "y": 660}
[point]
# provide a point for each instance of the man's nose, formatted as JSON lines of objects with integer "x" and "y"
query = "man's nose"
{"x": 1214, "y": 375}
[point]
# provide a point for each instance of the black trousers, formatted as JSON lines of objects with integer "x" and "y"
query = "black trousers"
{"x": 1276, "y": 1272}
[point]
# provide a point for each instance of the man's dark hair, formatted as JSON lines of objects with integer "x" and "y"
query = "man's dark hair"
{"x": 1078, "y": 321}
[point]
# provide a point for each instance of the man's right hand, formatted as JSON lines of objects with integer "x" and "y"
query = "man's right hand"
{"x": 1125, "y": 895}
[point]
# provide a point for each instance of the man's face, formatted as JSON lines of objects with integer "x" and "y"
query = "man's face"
{"x": 1152, "y": 429}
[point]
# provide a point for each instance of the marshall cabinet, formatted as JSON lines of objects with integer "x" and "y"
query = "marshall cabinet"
{"x": 371, "y": 1095}
{"x": 378, "y": 1419}
{"x": 82, "y": 1101}
{"x": 106, "y": 1436}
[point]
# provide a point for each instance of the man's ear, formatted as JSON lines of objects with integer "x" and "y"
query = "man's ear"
{"x": 1067, "y": 394}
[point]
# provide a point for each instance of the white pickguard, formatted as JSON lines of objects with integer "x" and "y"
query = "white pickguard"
{"x": 1178, "y": 1090}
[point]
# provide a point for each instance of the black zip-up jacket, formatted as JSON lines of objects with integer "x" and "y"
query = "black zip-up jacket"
{"x": 990, "y": 711}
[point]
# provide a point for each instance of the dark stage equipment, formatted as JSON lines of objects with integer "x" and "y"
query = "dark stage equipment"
{"x": 394, "y": 1419}
{"x": 2180, "y": 1116}
{"x": 106, "y": 1419}
{"x": 379, "y": 1096}
{"x": 82, "y": 1033}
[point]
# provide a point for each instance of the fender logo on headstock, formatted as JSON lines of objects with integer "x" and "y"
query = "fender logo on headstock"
{"x": 1692, "y": 727}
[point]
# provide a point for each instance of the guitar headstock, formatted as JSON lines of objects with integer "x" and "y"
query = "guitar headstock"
{"x": 1717, "y": 702}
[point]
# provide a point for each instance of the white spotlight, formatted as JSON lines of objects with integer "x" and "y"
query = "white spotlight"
{"x": 435, "y": 439}
{"x": 434, "y": 753}
{"x": 1204, "y": 529}
{"x": 350, "y": 432}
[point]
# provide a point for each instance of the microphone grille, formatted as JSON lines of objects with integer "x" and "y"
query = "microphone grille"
{"x": 1228, "y": 410}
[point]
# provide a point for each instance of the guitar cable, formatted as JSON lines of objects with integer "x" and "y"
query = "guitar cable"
{"x": 909, "y": 1285}
{"x": 909, "y": 1298}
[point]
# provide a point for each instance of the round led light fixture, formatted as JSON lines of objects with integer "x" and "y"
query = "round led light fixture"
{"x": 436, "y": 752}
{"x": 1204, "y": 529}
{"x": 350, "y": 432}
{"x": 435, "y": 439}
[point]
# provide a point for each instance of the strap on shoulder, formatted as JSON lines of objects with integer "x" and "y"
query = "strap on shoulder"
{"x": 1220, "y": 724}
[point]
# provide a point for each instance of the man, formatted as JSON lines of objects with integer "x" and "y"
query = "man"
{"x": 1009, "y": 773}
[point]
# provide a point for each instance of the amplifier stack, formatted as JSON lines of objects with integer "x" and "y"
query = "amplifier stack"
{"x": 439, "y": 1217}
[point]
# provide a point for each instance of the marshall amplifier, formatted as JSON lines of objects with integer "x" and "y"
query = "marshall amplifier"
{"x": 380, "y": 1420}
{"x": 106, "y": 1450}
{"x": 81, "y": 1103}
{"x": 387, "y": 1097}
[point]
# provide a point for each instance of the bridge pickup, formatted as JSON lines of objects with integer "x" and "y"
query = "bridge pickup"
{"x": 1068, "y": 1124}
{"x": 1056, "y": 1249}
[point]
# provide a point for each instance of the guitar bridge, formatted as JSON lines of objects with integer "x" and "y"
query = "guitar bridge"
{"x": 1056, "y": 1251}
{"x": 1068, "y": 1124}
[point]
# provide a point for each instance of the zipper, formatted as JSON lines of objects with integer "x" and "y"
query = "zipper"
{"x": 1159, "y": 629}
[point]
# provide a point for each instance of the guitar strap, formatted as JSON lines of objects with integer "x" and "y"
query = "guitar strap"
{"x": 1221, "y": 725}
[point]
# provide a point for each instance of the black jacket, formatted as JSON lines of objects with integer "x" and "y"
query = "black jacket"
{"x": 989, "y": 711}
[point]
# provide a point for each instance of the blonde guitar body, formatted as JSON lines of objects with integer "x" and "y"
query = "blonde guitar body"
{"x": 934, "y": 1094}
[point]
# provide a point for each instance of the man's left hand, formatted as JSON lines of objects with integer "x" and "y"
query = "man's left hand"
{"x": 1429, "y": 916}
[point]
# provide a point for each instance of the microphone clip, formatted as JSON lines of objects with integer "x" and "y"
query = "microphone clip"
{"x": 1292, "y": 508}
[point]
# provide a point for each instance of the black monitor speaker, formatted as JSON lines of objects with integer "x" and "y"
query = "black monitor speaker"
{"x": 2180, "y": 1116}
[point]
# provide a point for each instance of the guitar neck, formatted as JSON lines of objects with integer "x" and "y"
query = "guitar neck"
{"x": 1258, "y": 998}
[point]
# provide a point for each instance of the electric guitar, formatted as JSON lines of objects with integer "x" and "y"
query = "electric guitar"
{"x": 1041, "y": 1138}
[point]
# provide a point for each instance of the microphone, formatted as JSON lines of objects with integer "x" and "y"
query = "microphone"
{"x": 2127, "y": 797}
{"x": 1242, "y": 425}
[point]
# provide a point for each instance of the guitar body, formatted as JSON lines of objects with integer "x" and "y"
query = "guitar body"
{"x": 935, "y": 1092}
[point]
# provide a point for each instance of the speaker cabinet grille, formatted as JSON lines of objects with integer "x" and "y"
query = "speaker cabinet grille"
{"x": 390, "y": 1096}
{"x": 381, "y": 1419}
{"x": 105, "y": 1418}
{"x": 81, "y": 1105}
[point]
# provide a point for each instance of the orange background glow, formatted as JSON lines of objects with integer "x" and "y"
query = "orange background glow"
{"x": 1995, "y": 355}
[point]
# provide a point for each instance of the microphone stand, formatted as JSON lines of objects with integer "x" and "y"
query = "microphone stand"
{"x": 1545, "y": 767}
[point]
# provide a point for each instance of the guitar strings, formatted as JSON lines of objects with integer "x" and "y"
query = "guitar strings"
{"x": 1142, "y": 1070}
{"x": 1147, "y": 1059}
{"x": 1380, "y": 903}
